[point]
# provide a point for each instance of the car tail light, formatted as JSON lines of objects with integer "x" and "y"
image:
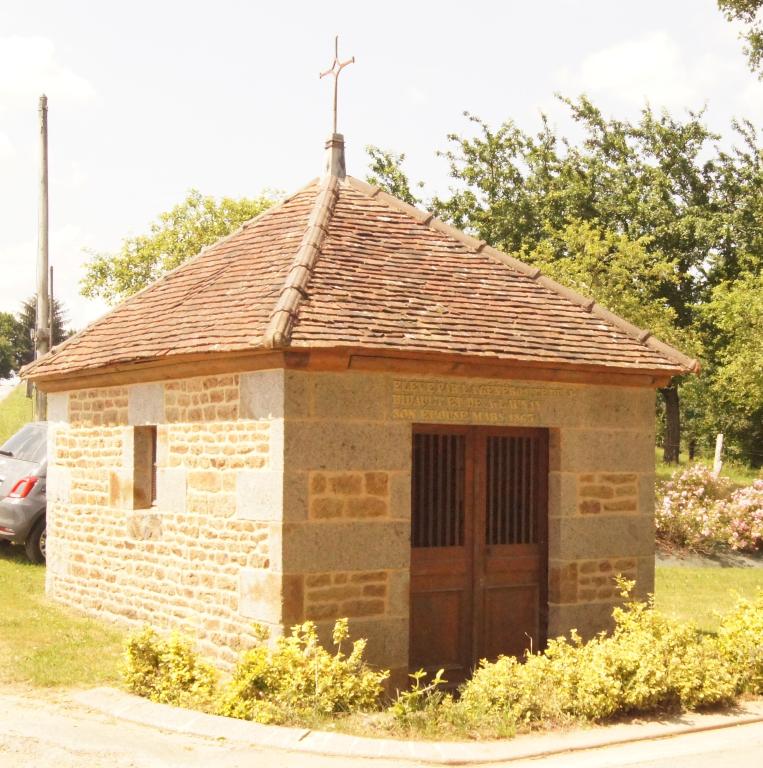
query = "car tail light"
{"x": 22, "y": 487}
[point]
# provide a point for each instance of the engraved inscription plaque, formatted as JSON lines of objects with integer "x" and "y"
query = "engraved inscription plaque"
{"x": 467, "y": 402}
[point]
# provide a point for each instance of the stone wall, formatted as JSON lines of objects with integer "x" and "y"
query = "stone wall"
{"x": 285, "y": 495}
{"x": 348, "y": 433}
{"x": 179, "y": 562}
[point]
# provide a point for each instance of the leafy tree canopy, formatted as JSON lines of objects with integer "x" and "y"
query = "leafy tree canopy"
{"x": 8, "y": 333}
{"x": 386, "y": 172}
{"x": 735, "y": 320}
{"x": 747, "y": 12}
{"x": 174, "y": 237}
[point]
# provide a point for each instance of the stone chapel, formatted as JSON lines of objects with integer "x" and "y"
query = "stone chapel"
{"x": 347, "y": 408}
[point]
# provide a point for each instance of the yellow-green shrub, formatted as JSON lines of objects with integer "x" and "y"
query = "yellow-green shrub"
{"x": 299, "y": 679}
{"x": 422, "y": 706}
{"x": 568, "y": 680}
{"x": 661, "y": 662}
{"x": 701, "y": 676}
{"x": 740, "y": 639}
{"x": 649, "y": 662}
{"x": 167, "y": 670}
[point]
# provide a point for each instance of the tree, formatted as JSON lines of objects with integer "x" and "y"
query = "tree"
{"x": 8, "y": 333}
{"x": 739, "y": 201}
{"x": 386, "y": 172}
{"x": 735, "y": 316}
{"x": 174, "y": 237}
{"x": 23, "y": 342}
{"x": 647, "y": 216}
{"x": 747, "y": 12}
{"x": 620, "y": 273}
{"x": 645, "y": 181}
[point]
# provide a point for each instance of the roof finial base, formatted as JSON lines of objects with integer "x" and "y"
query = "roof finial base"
{"x": 334, "y": 165}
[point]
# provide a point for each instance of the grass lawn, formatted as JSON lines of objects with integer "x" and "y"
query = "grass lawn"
{"x": 700, "y": 594}
{"x": 737, "y": 473}
{"x": 44, "y": 644}
{"x": 15, "y": 411}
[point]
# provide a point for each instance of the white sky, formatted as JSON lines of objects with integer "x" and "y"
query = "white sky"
{"x": 149, "y": 99}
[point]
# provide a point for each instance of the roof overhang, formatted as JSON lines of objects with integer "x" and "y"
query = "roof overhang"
{"x": 339, "y": 359}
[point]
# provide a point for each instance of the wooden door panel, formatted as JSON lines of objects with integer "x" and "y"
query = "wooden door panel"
{"x": 510, "y": 620}
{"x": 517, "y": 569}
{"x": 441, "y": 554}
{"x": 438, "y": 618}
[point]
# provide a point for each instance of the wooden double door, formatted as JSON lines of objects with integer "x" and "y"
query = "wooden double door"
{"x": 478, "y": 545}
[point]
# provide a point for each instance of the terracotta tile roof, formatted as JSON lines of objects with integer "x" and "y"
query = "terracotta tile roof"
{"x": 342, "y": 264}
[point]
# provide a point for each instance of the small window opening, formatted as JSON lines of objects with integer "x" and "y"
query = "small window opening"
{"x": 144, "y": 464}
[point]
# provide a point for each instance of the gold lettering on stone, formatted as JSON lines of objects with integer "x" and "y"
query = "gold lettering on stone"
{"x": 466, "y": 402}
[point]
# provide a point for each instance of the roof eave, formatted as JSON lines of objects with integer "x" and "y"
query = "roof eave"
{"x": 355, "y": 359}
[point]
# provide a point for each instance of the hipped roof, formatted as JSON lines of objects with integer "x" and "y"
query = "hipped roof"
{"x": 344, "y": 264}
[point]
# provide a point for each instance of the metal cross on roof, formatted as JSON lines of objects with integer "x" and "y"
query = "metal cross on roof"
{"x": 335, "y": 68}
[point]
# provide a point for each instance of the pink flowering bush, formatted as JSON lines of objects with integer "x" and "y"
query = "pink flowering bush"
{"x": 744, "y": 511}
{"x": 701, "y": 512}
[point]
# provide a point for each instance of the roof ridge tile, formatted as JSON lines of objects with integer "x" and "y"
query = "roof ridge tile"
{"x": 279, "y": 326}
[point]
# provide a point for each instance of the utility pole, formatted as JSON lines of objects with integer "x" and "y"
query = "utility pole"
{"x": 42, "y": 324}
{"x": 51, "y": 308}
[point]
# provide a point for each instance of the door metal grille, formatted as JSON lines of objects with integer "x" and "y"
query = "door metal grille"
{"x": 511, "y": 490}
{"x": 438, "y": 490}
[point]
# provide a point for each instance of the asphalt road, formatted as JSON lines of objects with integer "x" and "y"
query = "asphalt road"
{"x": 7, "y": 386}
{"x": 49, "y": 731}
{"x": 737, "y": 747}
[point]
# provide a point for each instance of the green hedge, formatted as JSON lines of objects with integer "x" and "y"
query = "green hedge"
{"x": 649, "y": 663}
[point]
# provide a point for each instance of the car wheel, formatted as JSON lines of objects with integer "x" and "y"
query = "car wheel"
{"x": 36, "y": 541}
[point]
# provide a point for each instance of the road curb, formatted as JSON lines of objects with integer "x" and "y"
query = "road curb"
{"x": 134, "y": 709}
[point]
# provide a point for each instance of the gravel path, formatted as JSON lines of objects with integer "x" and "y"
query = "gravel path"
{"x": 723, "y": 560}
